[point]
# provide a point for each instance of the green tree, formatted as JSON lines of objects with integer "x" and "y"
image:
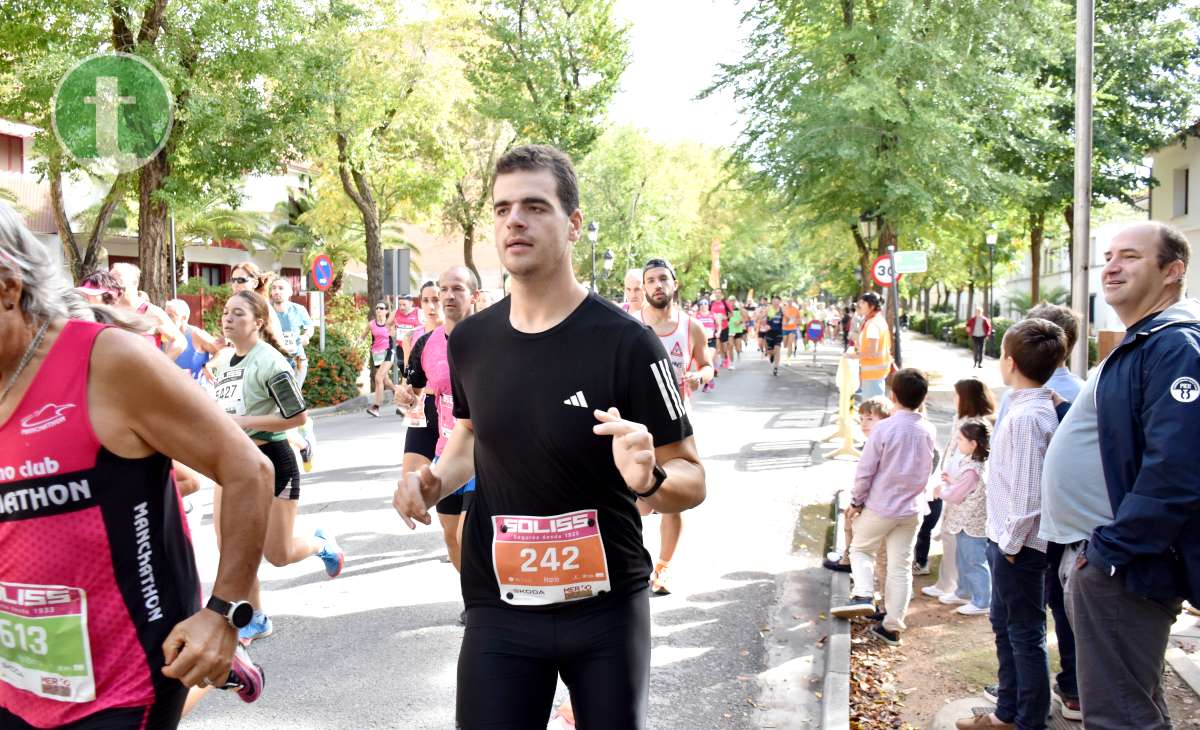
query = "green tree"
{"x": 1146, "y": 90}
{"x": 478, "y": 144}
{"x": 550, "y": 68}
{"x": 388, "y": 135}
{"x": 883, "y": 109}
{"x": 242, "y": 78}
{"x": 674, "y": 200}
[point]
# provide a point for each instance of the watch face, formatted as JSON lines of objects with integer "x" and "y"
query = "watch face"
{"x": 241, "y": 614}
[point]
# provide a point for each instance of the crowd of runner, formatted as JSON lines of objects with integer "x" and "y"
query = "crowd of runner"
{"x": 102, "y": 438}
{"x": 85, "y": 388}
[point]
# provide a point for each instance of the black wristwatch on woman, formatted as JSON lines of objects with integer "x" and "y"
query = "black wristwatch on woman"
{"x": 660, "y": 476}
{"x": 237, "y": 614}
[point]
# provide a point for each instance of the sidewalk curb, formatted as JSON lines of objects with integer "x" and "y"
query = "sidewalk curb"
{"x": 1185, "y": 667}
{"x": 835, "y": 702}
{"x": 354, "y": 404}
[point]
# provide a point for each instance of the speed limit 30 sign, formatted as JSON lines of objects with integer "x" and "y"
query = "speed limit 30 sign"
{"x": 881, "y": 271}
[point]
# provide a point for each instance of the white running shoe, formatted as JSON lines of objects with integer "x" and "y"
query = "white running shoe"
{"x": 969, "y": 609}
{"x": 932, "y": 592}
{"x": 952, "y": 600}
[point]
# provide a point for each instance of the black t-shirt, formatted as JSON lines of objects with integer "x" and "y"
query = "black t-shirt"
{"x": 530, "y": 399}
{"x": 776, "y": 322}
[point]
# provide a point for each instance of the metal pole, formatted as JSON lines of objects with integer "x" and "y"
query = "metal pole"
{"x": 1084, "y": 32}
{"x": 991, "y": 281}
{"x": 321, "y": 300}
{"x": 895, "y": 309}
{"x": 174, "y": 270}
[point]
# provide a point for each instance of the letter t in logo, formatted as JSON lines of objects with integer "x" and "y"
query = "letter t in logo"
{"x": 107, "y": 103}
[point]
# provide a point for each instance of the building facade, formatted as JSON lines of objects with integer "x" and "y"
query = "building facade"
{"x": 1176, "y": 200}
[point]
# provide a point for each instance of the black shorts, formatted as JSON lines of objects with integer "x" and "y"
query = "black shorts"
{"x": 773, "y": 340}
{"x": 456, "y": 503}
{"x": 423, "y": 441}
{"x": 511, "y": 658}
{"x": 739, "y": 335}
{"x": 724, "y": 335}
{"x": 712, "y": 342}
{"x": 287, "y": 473}
{"x": 162, "y": 715}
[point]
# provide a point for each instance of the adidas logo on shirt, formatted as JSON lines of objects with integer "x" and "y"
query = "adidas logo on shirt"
{"x": 576, "y": 400}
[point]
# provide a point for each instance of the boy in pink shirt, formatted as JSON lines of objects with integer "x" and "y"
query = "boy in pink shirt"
{"x": 887, "y": 503}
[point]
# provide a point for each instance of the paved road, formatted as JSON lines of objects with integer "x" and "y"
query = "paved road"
{"x": 737, "y": 645}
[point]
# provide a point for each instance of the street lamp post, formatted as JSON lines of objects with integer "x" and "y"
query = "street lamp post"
{"x": 867, "y": 227}
{"x": 608, "y": 260}
{"x": 593, "y": 233}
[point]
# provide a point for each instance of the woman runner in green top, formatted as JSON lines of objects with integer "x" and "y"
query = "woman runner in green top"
{"x": 256, "y": 387}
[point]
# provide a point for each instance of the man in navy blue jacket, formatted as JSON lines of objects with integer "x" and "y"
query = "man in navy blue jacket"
{"x": 1127, "y": 581}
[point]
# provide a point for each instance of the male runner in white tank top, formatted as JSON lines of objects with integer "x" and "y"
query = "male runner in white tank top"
{"x": 685, "y": 343}
{"x": 635, "y": 297}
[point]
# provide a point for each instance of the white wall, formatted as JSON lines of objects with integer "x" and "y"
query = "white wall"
{"x": 1056, "y": 273}
{"x": 1179, "y": 156}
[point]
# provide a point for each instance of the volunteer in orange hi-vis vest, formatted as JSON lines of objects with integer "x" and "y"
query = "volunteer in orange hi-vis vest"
{"x": 874, "y": 347}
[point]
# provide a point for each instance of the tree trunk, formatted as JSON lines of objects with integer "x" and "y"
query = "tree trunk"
{"x": 469, "y": 250}
{"x": 336, "y": 285}
{"x": 1037, "y": 232}
{"x": 374, "y": 241}
{"x": 81, "y": 263}
{"x": 154, "y": 255}
{"x": 887, "y": 236}
{"x": 957, "y": 303}
{"x": 926, "y": 308}
{"x": 971, "y": 297}
{"x": 358, "y": 188}
{"x": 864, "y": 260}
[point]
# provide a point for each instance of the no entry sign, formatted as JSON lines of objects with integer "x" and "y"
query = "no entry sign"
{"x": 322, "y": 272}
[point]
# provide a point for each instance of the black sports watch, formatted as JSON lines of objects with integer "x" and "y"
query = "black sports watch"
{"x": 237, "y": 614}
{"x": 660, "y": 476}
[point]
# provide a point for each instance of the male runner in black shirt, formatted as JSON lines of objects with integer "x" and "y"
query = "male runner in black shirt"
{"x": 554, "y": 574}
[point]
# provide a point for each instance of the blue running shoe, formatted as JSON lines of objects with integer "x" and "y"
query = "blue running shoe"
{"x": 330, "y": 554}
{"x": 246, "y": 678}
{"x": 259, "y": 628}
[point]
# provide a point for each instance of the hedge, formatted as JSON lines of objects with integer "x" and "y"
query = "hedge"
{"x": 333, "y": 374}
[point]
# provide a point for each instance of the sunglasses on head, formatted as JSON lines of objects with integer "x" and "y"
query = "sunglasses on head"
{"x": 380, "y": 309}
{"x": 241, "y": 280}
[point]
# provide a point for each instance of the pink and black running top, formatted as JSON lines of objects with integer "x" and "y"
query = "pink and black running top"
{"x": 96, "y": 566}
{"x": 430, "y": 369}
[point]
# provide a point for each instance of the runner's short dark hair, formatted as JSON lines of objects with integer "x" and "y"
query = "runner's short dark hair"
{"x": 909, "y": 387}
{"x": 659, "y": 264}
{"x": 1062, "y": 316}
{"x": 1037, "y": 347}
{"x": 872, "y": 299}
{"x": 535, "y": 157}
{"x": 1172, "y": 246}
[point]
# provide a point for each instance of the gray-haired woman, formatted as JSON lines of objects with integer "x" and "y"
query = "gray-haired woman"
{"x": 90, "y": 417}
